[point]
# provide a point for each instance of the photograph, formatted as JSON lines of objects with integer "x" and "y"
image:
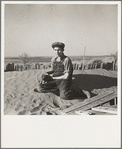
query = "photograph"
{"x": 61, "y": 67}
{"x": 60, "y": 59}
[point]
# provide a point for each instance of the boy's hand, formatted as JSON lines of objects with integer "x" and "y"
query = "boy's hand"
{"x": 51, "y": 75}
{"x": 44, "y": 78}
{"x": 41, "y": 81}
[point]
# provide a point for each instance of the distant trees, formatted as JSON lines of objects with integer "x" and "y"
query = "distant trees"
{"x": 115, "y": 56}
{"x": 24, "y": 58}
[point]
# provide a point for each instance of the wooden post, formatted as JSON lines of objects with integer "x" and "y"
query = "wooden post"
{"x": 74, "y": 65}
{"x": 38, "y": 66}
{"x": 78, "y": 66}
{"x": 113, "y": 66}
{"x": 115, "y": 101}
{"x": 22, "y": 67}
{"x": 44, "y": 66}
{"x": 84, "y": 58}
{"x": 101, "y": 66}
{"x": 17, "y": 67}
{"x": 12, "y": 66}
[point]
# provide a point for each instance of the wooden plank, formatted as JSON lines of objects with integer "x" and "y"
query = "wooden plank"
{"x": 113, "y": 106}
{"x": 87, "y": 101}
{"x": 92, "y": 113}
{"x": 105, "y": 109}
{"x": 96, "y": 102}
{"x": 98, "y": 113}
{"x": 90, "y": 103}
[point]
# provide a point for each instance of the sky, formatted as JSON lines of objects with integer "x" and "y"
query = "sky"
{"x": 32, "y": 28}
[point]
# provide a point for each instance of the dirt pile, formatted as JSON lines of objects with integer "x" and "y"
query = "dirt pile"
{"x": 20, "y": 99}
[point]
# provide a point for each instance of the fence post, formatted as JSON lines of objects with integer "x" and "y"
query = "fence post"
{"x": 113, "y": 66}
{"x": 38, "y": 66}
{"x": 17, "y": 67}
{"x": 43, "y": 66}
{"x": 12, "y": 66}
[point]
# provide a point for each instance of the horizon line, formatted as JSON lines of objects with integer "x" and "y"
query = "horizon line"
{"x": 52, "y": 56}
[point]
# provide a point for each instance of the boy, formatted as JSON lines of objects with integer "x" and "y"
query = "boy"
{"x": 60, "y": 76}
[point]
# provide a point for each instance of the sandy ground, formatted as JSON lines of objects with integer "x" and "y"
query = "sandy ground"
{"x": 20, "y": 99}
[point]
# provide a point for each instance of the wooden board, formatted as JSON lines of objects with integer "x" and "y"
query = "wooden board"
{"x": 87, "y": 101}
{"x": 92, "y": 102}
{"x": 105, "y": 109}
{"x": 92, "y": 112}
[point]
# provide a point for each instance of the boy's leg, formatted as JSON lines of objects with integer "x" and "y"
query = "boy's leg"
{"x": 47, "y": 87}
{"x": 64, "y": 88}
{"x": 67, "y": 93}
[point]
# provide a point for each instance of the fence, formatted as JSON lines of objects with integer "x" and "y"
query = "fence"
{"x": 19, "y": 67}
{"x": 76, "y": 66}
{"x": 107, "y": 66}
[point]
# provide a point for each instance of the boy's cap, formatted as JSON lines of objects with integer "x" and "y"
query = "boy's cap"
{"x": 58, "y": 44}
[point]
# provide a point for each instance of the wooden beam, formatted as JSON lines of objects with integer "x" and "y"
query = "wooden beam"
{"x": 96, "y": 103}
{"x": 84, "y": 58}
{"x": 87, "y": 101}
{"x": 92, "y": 102}
{"x": 105, "y": 109}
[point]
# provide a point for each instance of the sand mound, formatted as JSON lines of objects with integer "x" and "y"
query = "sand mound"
{"x": 20, "y": 99}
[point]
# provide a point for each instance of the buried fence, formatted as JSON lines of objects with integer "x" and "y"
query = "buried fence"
{"x": 76, "y": 66}
{"x": 19, "y": 67}
{"x": 107, "y": 66}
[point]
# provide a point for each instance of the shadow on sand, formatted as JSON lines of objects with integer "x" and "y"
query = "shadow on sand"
{"x": 90, "y": 82}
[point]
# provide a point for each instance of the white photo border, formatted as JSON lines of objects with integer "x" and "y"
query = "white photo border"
{"x": 60, "y": 131}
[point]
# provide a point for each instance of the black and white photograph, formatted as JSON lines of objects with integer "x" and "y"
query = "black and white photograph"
{"x": 61, "y": 60}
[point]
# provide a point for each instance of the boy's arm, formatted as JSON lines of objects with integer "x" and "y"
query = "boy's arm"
{"x": 65, "y": 76}
{"x": 50, "y": 72}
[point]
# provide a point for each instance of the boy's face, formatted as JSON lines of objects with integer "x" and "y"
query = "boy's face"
{"x": 58, "y": 51}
